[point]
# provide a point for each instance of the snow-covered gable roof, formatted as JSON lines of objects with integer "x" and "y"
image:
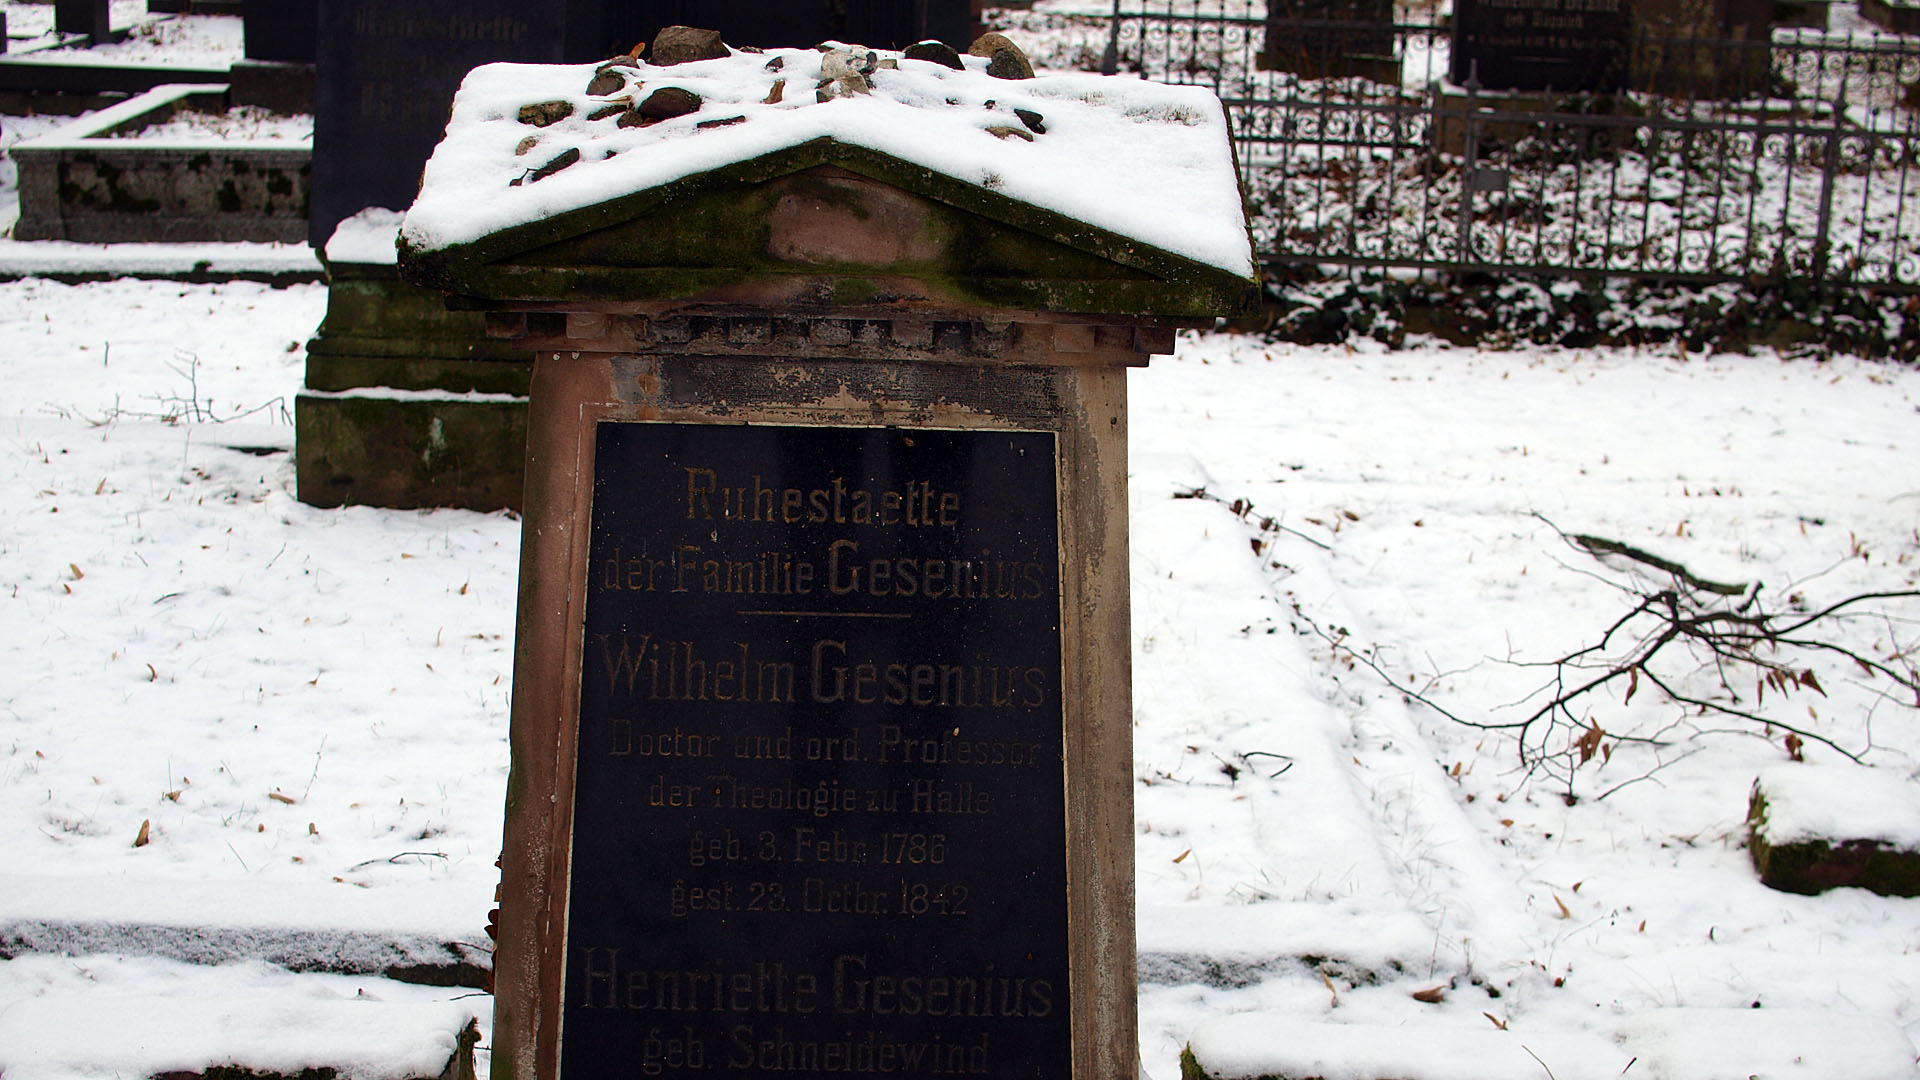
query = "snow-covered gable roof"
{"x": 1143, "y": 169}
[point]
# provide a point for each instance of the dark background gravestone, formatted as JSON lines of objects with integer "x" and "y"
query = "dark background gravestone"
{"x": 1564, "y": 45}
{"x": 283, "y": 30}
{"x": 881, "y": 24}
{"x": 89, "y": 17}
{"x": 387, "y": 69}
{"x": 277, "y": 71}
{"x": 1331, "y": 39}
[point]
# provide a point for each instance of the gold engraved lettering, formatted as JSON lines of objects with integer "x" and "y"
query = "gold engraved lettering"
{"x": 819, "y": 799}
{"x": 703, "y": 848}
{"x": 916, "y": 504}
{"x": 958, "y": 578}
{"x": 682, "y": 1051}
{"x": 766, "y": 573}
{"x": 659, "y": 670}
{"x": 674, "y": 743}
{"x": 820, "y": 896}
{"x": 857, "y": 991}
{"x": 947, "y": 797}
{"x": 772, "y": 1051}
{"x": 833, "y": 680}
{"x": 810, "y": 846}
{"x": 632, "y": 573}
{"x": 763, "y": 987}
{"x": 951, "y": 749}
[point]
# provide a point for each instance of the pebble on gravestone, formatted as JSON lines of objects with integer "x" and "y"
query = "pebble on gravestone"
{"x": 936, "y": 52}
{"x": 668, "y": 102}
{"x": 545, "y": 113}
{"x": 1004, "y": 58}
{"x": 685, "y": 44}
{"x": 609, "y": 79}
{"x": 844, "y": 72}
{"x": 560, "y": 161}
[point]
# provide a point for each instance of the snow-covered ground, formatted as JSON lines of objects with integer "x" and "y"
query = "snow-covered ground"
{"x": 312, "y": 703}
{"x": 212, "y": 41}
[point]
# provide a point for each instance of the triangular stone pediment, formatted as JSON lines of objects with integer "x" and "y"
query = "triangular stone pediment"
{"x": 829, "y": 224}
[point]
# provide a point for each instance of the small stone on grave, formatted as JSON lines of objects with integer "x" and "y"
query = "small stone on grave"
{"x": 686, "y": 44}
{"x": 545, "y": 113}
{"x": 935, "y": 52}
{"x": 1005, "y": 60}
{"x": 669, "y": 102}
{"x": 607, "y": 80}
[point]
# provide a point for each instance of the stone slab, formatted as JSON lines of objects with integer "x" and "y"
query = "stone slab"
{"x": 284, "y": 87}
{"x": 19, "y": 74}
{"x": 296, "y": 1032}
{"x": 403, "y": 449}
{"x": 1656, "y": 1044}
{"x": 1810, "y": 830}
{"x": 79, "y": 183}
{"x": 433, "y": 935}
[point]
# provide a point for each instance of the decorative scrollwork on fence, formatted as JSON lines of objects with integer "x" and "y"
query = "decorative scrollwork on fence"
{"x": 1754, "y": 153}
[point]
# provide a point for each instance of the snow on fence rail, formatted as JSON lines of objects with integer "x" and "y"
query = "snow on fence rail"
{"x": 1789, "y": 158}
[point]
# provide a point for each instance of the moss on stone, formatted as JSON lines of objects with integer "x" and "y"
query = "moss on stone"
{"x": 1813, "y": 866}
{"x": 400, "y": 453}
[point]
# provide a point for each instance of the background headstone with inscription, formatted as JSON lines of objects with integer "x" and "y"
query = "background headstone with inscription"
{"x": 822, "y": 728}
{"x": 1569, "y": 46}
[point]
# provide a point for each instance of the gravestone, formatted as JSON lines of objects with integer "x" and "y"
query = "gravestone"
{"x": 388, "y": 68}
{"x": 880, "y": 23}
{"x": 1569, "y": 46}
{"x": 89, "y": 17}
{"x": 277, "y": 72}
{"x": 822, "y": 726}
{"x": 387, "y": 71}
{"x": 1702, "y": 48}
{"x": 281, "y": 30}
{"x": 1332, "y": 39}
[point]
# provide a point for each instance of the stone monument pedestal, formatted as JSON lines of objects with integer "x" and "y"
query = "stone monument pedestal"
{"x": 405, "y": 403}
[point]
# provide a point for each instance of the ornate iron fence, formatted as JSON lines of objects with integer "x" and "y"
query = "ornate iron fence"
{"x": 1732, "y": 160}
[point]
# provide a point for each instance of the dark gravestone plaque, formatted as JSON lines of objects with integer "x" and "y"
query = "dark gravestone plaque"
{"x": 819, "y": 805}
{"x": 1565, "y": 45}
